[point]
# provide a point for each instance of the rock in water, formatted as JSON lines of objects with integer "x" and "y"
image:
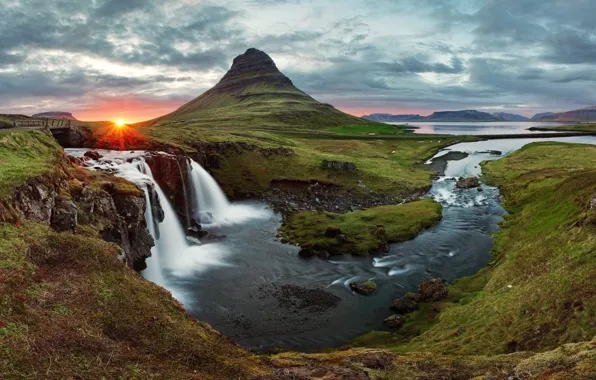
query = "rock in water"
{"x": 406, "y": 304}
{"x": 395, "y": 321}
{"x": 364, "y": 288}
{"x": 432, "y": 290}
{"x": 93, "y": 154}
{"x": 467, "y": 183}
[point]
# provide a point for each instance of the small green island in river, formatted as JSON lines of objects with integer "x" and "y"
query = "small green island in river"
{"x": 255, "y": 232}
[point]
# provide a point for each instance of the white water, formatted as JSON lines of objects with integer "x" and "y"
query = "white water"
{"x": 208, "y": 196}
{"x": 211, "y": 206}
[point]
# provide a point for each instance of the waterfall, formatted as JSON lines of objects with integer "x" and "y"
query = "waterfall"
{"x": 211, "y": 204}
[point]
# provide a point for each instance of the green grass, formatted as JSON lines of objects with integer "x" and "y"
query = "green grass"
{"x": 365, "y": 231}
{"x": 376, "y": 128}
{"x": 24, "y": 155}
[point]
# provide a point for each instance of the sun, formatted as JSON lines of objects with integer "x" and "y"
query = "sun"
{"x": 119, "y": 123}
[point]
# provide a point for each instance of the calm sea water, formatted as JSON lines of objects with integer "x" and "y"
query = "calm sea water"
{"x": 478, "y": 128}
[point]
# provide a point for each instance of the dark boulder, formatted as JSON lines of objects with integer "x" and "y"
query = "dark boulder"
{"x": 395, "y": 321}
{"x": 340, "y": 165}
{"x": 93, "y": 154}
{"x": 467, "y": 183}
{"x": 406, "y": 304}
{"x": 432, "y": 290}
{"x": 64, "y": 216}
{"x": 363, "y": 288}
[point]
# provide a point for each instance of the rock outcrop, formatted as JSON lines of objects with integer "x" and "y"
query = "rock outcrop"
{"x": 406, "y": 304}
{"x": 467, "y": 183}
{"x": 395, "y": 321}
{"x": 432, "y": 290}
{"x": 65, "y": 203}
{"x": 339, "y": 166}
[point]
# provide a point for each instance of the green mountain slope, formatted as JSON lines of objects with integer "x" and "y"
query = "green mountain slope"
{"x": 254, "y": 93}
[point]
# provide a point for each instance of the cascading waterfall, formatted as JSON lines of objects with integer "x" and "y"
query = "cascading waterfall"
{"x": 172, "y": 255}
{"x": 211, "y": 204}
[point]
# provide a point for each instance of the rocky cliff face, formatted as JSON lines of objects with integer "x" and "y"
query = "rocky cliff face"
{"x": 70, "y": 202}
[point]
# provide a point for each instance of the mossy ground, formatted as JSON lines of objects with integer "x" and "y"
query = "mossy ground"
{"x": 71, "y": 309}
{"x": 364, "y": 231}
{"x": 25, "y": 155}
{"x": 538, "y": 292}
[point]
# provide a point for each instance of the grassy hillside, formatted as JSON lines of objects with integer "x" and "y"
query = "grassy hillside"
{"x": 25, "y": 155}
{"x": 538, "y": 292}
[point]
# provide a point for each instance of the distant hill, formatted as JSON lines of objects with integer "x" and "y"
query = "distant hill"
{"x": 466, "y": 115}
{"x": 540, "y": 116}
{"x": 387, "y": 117}
{"x": 510, "y": 116}
{"x": 56, "y": 115}
{"x": 254, "y": 93}
{"x": 584, "y": 114}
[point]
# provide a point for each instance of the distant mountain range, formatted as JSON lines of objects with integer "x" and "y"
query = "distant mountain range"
{"x": 466, "y": 115}
{"x": 56, "y": 115}
{"x": 584, "y": 114}
{"x": 540, "y": 116}
{"x": 510, "y": 116}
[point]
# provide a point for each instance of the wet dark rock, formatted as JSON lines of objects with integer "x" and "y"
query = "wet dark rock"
{"x": 492, "y": 152}
{"x": 93, "y": 155}
{"x": 196, "y": 230}
{"x": 64, "y": 216}
{"x": 395, "y": 321}
{"x": 467, "y": 183}
{"x": 432, "y": 290}
{"x": 171, "y": 172}
{"x": 363, "y": 288}
{"x": 307, "y": 253}
{"x": 340, "y": 165}
{"x": 406, "y": 304}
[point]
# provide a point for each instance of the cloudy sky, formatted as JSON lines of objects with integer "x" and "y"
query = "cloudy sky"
{"x": 137, "y": 59}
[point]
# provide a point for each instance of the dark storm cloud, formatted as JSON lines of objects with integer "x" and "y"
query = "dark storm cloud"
{"x": 423, "y": 53}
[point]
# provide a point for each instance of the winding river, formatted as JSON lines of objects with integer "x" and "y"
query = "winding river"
{"x": 258, "y": 292}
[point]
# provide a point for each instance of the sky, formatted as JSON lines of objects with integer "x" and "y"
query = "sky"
{"x": 139, "y": 59}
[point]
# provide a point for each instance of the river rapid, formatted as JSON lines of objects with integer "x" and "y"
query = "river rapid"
{"x": 258, "y": 292}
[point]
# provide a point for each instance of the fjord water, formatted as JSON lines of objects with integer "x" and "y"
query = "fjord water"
{"x": 235, "y": 283}
{"x": 479, "y": 128}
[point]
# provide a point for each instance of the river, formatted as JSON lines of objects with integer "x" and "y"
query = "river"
{"x": 258, "y": 292}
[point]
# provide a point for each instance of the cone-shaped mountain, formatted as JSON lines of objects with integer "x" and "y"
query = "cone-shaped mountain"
{"x": 254, "y": 93}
